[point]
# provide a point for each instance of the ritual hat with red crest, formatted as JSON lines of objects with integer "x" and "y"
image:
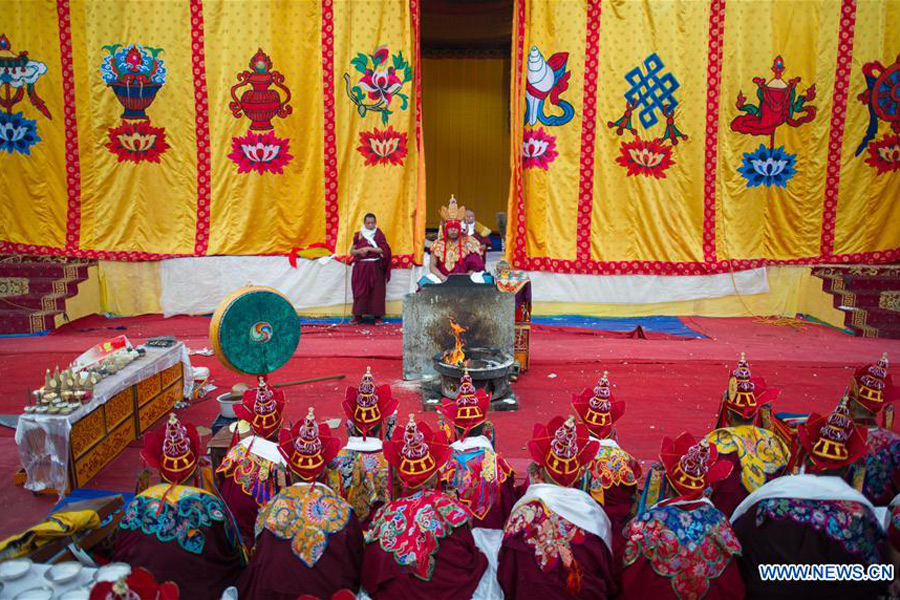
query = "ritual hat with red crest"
{"x": 597, "y": 409}
{"x": 872, "y": 387}
{"x": 137, "y": 585}
{"x": 745, "y": 394}
{"x": 174, "y": 452}
{"x": 416, "y": 453}
{"x": 368, "y": 405}
{"x": 692, "y": 466}
{"x": 308, "y": 447}
{"x": 563, "y": 448}
{"x": 832, "y": 442}
{"x": 263, "y": 408}
{"x": 469, "y": 409}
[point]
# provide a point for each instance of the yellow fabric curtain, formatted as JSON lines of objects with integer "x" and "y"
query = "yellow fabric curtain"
{"x": 637, "y": 147}
{"x": 467, "y": 134}
{"x": 143, "y": 129}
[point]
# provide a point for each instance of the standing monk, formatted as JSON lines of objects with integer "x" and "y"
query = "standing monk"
{"x": 371, "y": 270}
{"x": 454, "y": 251}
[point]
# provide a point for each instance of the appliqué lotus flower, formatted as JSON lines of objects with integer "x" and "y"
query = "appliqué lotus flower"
{"x": 768, "y": 166}
{"x": 382, "y": 147}
{"x": 884, "y": 154}
{"x": 380, "y": 83}
{"x": 538, "y": 149}
{"x": 645, "y": 157}
{"x": 260, "y": 152}
{"x": 17, "y": 134}
{"x": 137, "y": 141}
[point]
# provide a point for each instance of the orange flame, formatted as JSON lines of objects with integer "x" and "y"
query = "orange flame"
{"x": 457, "y": 356}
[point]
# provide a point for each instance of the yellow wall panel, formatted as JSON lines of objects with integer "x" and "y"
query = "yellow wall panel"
{"x": 387, "y": 189}
{"x": 266, "y": 213}
{"x": 641, "y": 216}
{"x": 33, "y": 185}
{"x": 774, "y": 221}
{"x": 868, "y": 208}
{"x": 551, "y": 195}
{"x": 127, "y": 206}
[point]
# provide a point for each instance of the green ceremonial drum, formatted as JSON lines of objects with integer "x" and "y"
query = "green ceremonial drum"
{"x": 255, "y": 330}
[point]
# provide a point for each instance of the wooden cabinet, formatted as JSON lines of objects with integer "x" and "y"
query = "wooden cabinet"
{"x": 101, "y": 435}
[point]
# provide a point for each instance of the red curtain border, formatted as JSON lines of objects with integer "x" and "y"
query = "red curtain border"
{"x": 838, "y": 117}
{"x": 201, "y": 109}
{"x": 588, "y": 124}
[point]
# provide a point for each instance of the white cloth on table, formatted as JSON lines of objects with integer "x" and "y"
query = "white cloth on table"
{"x": 43, "y": 439}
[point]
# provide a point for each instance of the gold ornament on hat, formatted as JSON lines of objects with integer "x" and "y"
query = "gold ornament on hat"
{"x": 740, "y": 388}
{"x": 833, "y": 436}
{"x": 453, "y": 212}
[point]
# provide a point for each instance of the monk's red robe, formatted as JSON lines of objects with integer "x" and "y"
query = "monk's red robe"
{"x": 370, "y": 276}
{"x": 421, "y": 546}
{"x": 181, "y": 534}
{"x": 808, "y": 520}
{"x": 309, "y": 542}
{"x": 546, "y": 555}
{"x": 462, "y": 255}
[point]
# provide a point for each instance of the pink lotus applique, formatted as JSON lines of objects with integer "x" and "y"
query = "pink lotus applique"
{"x": 645, "y": 157}
{"x": 263, "y": 153}
{"x": 382, "y": 147}
{"x": 538, "y": 149}
{"x": 137, "y": 141}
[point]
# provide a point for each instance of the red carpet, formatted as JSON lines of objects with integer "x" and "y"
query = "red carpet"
{"x": 671, "y": 384}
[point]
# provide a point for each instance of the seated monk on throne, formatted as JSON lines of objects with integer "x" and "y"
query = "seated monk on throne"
{"x": 455, "y": 251}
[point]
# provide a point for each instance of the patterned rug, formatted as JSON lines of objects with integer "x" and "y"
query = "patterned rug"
{"x": 869, "y": 297}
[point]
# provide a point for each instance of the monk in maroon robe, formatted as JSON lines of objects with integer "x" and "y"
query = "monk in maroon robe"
{"x": 871, "y": 391}
{"x": 682, "y": 546}
{"x": 478, "y": 232}
{"x": 476, "y": 474}
{"x": 420, "y": 545}
{"x": 612, "y": 476}
{"x": 454, "y": 251}
{"x": 557, "y": 543}
{"x": 253, "y": 471}
{"x": 309, "y": 541}
{"x": 360, "y": 473}
{"x": 813, "y": 519}
{"x": 371, "y": 270}
{"x": 756, "y": 454}
{"x": 179, "y": 532}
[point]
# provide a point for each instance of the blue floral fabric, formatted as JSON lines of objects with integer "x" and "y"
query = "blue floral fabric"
{"x": 848, "y": 523}
{"x": 182, "y": 520}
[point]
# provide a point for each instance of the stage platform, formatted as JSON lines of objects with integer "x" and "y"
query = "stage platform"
{"x": 672, "y": 380}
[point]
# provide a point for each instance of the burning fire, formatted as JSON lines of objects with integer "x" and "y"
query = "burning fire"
{"x": 457, "y": 356}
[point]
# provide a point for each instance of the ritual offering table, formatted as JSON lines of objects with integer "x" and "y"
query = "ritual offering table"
{"x": 63, "y": 452}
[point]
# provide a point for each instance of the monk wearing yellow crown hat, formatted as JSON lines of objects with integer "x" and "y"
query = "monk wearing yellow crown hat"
{"x": 872, "y": 393}
{"x": 180, "y": 532}
{"x": 455, "y": 251}
{"x": 679, "y": 545}
{"x": 476, "y": 474}
{"x": 309, "y": 541}
{"x": 359, "y": 472}
{"x": 557, "y": 543}
{"x": 420, "y": 545}
{"x": 253, "y": 471}
{"x": 814, "y": 518}
{"x": 613, "y": 475}
{"x": 756, "y": 454}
